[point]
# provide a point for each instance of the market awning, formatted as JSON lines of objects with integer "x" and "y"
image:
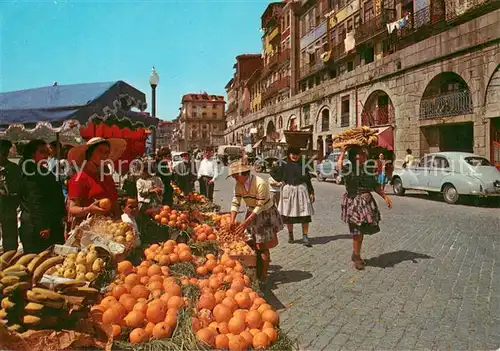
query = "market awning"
{"x": 65, "y": 106}
{"x": 386, "y": 137}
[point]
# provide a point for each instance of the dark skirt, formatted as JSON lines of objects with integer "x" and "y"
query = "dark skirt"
{"x": 361, "y": 213}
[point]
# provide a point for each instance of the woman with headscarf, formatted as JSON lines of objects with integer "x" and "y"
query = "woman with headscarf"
{"x": 297, "y": 193}
{"x": 42, "y": 201}
{"x": 93, "y": 182}
{"x": 359, "y": 209}
{"x": 262, "y": 221}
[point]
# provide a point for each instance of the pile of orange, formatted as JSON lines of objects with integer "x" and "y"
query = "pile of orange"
{"x": 196, "y": 198}
{"x": 173, "y": 218}
{"x": 168, "y": 253}
{"x": 204, "y": 232}
{"x": 234, "y": 319}
{"x": 144, "y": 300}
{"x": 221, "y": 220}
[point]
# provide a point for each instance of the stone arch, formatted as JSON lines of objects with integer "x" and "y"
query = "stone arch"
{"x": 492, "y": 94}
{"x": 280, "y": 122}
{"x": 446, "y": 94}
{"x": 324, "y": 115}
{"x": 378, "y": 109}
{"x": 270, "y": 130}
{"x": 385, "y": 88}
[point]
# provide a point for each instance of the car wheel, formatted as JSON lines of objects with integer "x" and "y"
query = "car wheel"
{"x": 450, "y": 194}
{"x": 397, "y": 187}
{"x": 338, "y": 180}
{"x": 320, "y": 178}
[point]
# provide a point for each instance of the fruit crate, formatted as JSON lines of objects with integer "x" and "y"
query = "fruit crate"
{"x": 246, "y": 260}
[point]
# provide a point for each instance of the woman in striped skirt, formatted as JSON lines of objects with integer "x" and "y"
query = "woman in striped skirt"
{"x": 297, "y": 193}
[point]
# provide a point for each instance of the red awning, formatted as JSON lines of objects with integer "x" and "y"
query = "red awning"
{"x": 386, "y": 137}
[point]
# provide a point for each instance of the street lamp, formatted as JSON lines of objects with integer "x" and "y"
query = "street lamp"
{"x": 154, "y": 79}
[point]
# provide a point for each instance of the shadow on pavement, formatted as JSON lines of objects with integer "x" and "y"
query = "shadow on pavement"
{"x": 320, "y": 240}
{"x": 277, "y": 276}
{"x": 391, "y": 259}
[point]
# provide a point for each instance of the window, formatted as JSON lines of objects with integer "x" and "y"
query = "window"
{"x": 350, "y": 66}
{"x": 344, "y": 111}
{"x": 204, "y": 114}
{"x": 425, "y": 162}
{"x": 325, "y": 120}
{"x": 214, "y": 105}
{"x": 349, "y": 25}
{"x": 440, "y": 162}
{"x": 477, "y": 161}
{"x": 307, "y": 115}
{"x": 194, "y": 135}
{"x": 204, "y": 135}
{"x": 194, "y": 114}
{"x": 369, "y": 14}
{"x": 214, "y": 114}
{"x": 205, "y": 126}
{"x": 357, "y": 21}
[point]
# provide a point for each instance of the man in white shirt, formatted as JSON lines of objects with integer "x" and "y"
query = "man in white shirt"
{"x": 207, "y": 174}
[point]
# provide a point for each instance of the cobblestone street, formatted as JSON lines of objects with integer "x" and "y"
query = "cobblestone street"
{"x": 431, "y": 281}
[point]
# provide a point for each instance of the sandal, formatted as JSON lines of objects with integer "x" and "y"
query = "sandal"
{"x": 359, "y": 264}
{"x": 353, "y": 258}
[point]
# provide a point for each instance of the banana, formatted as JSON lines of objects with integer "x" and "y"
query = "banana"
{"x": 48, "y": 294}
{"x": 86, "y": 292}
{"x": 70, "y": 285}
{"x": 7, "y": 281}
{"x": 7, "y": 304}
{"x": 33, "y": 307}
{"x": 45, "y": 266}
{"x": 16, "y": 258}
{"x": 15, "y": 328}
{"x": 6, "y": 258}
{"x": 3, "y": 313}
{"x": 20, "y": 274}
{"x": 15, "y": 268}
{"x": 26, "y": 259}
{"x": 38, "y": 260}
{"x": 31, "y": 320}
{"x": 22, "y": 286}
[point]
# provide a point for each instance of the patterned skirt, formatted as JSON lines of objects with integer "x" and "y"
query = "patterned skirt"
{"x": 295, "y": 205}
{"x": 361, "y": 213}
{"x": 264, "y": 228}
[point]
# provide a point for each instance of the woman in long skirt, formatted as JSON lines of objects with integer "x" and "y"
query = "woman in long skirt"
{"x": 262, "y": 221}
{"x": 359, "y": 208}
{"x": 297, "y": 193}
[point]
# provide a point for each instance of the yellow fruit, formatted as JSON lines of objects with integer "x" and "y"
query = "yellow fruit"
{"x": 41, "y": 269}
{"x": 31, "y": 320}
{"x": 81, "y": 269}
{"x": 89, "y": 276}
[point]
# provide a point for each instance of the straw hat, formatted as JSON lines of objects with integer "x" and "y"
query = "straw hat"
{"x": 117, "y": 147}
{"x": 237, "y": 168}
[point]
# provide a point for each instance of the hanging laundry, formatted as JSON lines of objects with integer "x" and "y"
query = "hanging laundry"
{"x": 349, "y": 41}
{"x": 391, "y": 27}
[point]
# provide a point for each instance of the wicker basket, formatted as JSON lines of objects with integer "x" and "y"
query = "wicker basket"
{"x": 297, "y": 138}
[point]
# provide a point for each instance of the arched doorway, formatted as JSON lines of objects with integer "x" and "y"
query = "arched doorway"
{"x": 447, "y": 95}
{"x": 491, "y": 103}
{"x": 292, "y": 123}
{"x": 320, "y": 148}
{"x": 323, "y": 120}
{"x": 270, "y": 131}
{"x": 378, "y": 111}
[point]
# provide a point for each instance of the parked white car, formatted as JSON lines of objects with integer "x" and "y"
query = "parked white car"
{"x": 451, "y": 173}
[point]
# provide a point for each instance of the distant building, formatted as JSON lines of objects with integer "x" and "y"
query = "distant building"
{"x": 165, "y": 134}
{"x": 202, "y": 115}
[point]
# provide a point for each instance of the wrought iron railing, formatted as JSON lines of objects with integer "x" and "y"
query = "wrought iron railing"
{"x": 378, "y": 116}
{"x": 344, "y": 120}
{"x": 307, "y": 70}
{"x": 424, "y": 17}
{"x": 374, "y": 26}
{"x": 275, "y": 87}
{"x": 338, "y": 51}
{"x": 454, "y": 10}
{"x": 447, "y": 104}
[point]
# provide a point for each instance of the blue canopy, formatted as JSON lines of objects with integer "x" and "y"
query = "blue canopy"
{"x": 76, "y": 102}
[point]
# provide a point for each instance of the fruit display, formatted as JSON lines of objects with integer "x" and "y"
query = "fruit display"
{"x": 236, "y": 318}
{"x": 359, "y": 136}
{"x": 172, "y": 218}
{"x": 237, "y": 248}
{"x": 116, "y": 230}
{"x": 229, "y": 235}
{"x": 204, "y": 232}
{"x": 82, "y": 266}
{"x": 24, "y": 305}
{"x": 169, "y": 252}
{"x": 105, "y": 204}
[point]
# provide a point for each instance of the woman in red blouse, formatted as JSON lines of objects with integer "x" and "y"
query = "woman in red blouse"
{"x": 93, "y": 182}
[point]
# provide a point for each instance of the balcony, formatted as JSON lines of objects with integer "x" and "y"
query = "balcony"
{"x": 448, "y": 104}
{"x": 307, "y": 70}
{"x": 374, "y": 26}
{"x": 273, "y": 59}
{"x": 284, "y": 56}
{"x": 338, "y": 51}
{"x": 232, "y": 107}
{"x": 379, "y": 116}
{"x": 275, "y": 87}
{"x": 466, "y": 9}
{"x": 423, "y": 18}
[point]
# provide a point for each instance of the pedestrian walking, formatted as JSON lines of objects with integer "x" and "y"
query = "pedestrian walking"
{"x": 262, "y": 221}
{"x": 409, "y": 159}
{"x": 10, "y": 187}
{"x": 182, "y": 174}
{"x": 358, "y": 207}
{"x": 207, "y": 174}
{"x": 297, "y": 193}
{"x": 382, "y": 171}
{"x": 43, "y": 207}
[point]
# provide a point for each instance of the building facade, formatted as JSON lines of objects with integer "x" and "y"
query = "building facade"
{"x": 425, "y": 73}
{"x": 202, "y": 115}
{"x": 165, "y": 133}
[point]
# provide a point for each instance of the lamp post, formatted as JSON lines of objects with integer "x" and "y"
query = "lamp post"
{"x": 154, "y": 79}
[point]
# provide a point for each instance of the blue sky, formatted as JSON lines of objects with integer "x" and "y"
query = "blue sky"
{"x": 192, "y": 44}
